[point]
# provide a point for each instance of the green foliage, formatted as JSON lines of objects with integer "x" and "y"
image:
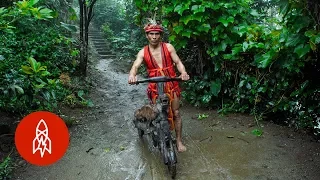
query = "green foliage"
{"x": 24, "y": 9}
{"x": 26, "y": 33}
{"x": 244, "y": 58}
{"x": 79, "y": 99}
{"x": 6, "y": 168}
{"x": 202, "y": 116}
{"x": 124, "y": 44}
{"x": 84, "y": 101}
{"x": 107, "y": 31}
{"x": 42, "y": 89}
{"x": 110, "y": 12}
{"x": 257, "y": 132}
{"x": 117, "y": 22}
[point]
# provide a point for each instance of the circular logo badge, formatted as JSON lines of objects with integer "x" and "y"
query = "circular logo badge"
{"x": 42, "y": 138}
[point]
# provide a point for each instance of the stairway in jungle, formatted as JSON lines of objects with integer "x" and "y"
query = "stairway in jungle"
{"x": 101, "y": 44}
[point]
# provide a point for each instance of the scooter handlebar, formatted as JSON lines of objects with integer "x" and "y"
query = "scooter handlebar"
{"x": 159, "y": 79}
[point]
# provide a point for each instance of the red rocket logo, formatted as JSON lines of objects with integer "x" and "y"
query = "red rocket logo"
{"x": 42, "y": 138}
{"x": 42, "y": 141}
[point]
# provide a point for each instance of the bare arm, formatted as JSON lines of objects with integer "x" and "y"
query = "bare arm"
{"x": 134, "y": 69}
{"x": 175, "y": 58}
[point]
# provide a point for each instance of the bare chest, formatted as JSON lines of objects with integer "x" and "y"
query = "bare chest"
{"x": 156, "y": 54}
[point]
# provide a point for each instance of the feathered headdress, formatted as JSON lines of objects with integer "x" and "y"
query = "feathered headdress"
{"x": 152, "y": 25}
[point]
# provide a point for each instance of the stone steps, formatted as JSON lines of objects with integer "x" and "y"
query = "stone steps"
{"x": 95, "y": 34}
{"x": 98, "y": 40}
{"x": 101, "y": 44}
{"x": 104, "y": 53}
{"x": 107, "y": 56}
{"x": 101, "y": 47}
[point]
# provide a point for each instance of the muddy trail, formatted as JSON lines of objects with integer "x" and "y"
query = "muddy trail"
{"x": 105, "y": 144}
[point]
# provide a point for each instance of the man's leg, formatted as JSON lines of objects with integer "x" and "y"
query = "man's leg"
{"x": 178, "y": 123}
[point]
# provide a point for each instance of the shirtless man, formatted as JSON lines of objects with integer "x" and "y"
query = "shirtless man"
{"x": 160, "y": 59}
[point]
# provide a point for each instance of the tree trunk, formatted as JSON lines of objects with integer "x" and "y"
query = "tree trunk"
{"x": 86, "y": 14}
{"x": 82, "y": 47}
{"x": 85, "y": 43}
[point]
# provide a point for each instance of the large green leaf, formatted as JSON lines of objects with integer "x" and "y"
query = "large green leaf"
{"x": 34, "y": 64}
{"x": 33, "y": 2}
{"x": 69, "y": 27}
{"x": 233, "y": 12}
{"x": 45, "y": 73}
{"x": 310, "y": 33}
{"x": 2, "y": 10}
{"x": 312, "y": 45}
{"x": 168, "y": 9}
{"x": 314, "y": 40}
{"x": 241, "y": 30}
{"x": 206, "y": 99}
{"x": 178, "y": 8}
{"x": 72, "y": 12}
{"x": 223, "y": 45}
{"x": 198, "y": 17}
{"x": 254, "y": 12}
{"x": 236, "y": 49}
{"x": 186, "y": 33}
{"x": 215, "y": 87}
{"x": 302, "y": 50}
{"x": 46, "y": 13}
{"x": 260, "y": 45}
{"x": 264, "y": 60}
{"x": 317, "y": 39}
{"x": 181, "y": 8}
{"x": 198, "y": 8}
{"x": 172, "y": 37}
{"x": 194, "y": 7}
{"x": 223, "y": 20}
{"x": 204, "y": 28}
{"x": 186, "y": 19}
{"x": 26, "y": 69}
{"x": 226, "y": 20}
{"x": 245, "y": 46}
{"x": 301, "y": 22}
{"x": 227, "y": 5}
{"x": 18, "y": 88}
{"x": 293, "y": 40}
{"x": 177, "y": 29}
{"x": 284, "y": 7}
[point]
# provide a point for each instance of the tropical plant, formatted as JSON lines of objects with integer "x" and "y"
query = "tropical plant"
{"x": 26, "y": 33}
{"x": 247, "y": 56}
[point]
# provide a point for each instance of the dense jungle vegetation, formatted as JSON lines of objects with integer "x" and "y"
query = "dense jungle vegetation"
{"x": 38, "y": 54}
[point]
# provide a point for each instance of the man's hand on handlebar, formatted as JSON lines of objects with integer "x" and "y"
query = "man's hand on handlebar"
{"x": 184, "y": 76}
{"x": 132, "y": 79}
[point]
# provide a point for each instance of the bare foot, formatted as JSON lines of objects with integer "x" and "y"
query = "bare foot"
{"x": 181, "y": 147}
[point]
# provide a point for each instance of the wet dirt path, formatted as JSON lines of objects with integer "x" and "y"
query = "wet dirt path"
{"x": 105, "y": 145}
